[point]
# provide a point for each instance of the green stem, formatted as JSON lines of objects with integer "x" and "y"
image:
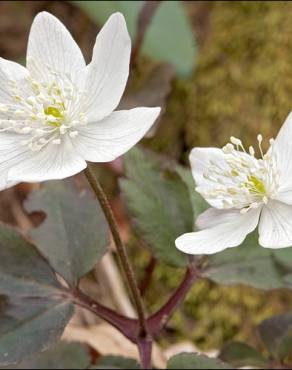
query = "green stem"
{"x": 121, "y": 250}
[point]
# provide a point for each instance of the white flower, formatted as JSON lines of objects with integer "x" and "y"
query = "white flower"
{"x": 57, "y": 113}
{"x": 244, "y": 192}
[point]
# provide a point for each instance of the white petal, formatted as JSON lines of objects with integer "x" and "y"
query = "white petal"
{"x": 108, "y": 72}
{"x": 283, "y": 152}
{"x": 111, "y": 137}
{"x": 200, "y": 159}
{"x": 10, "y": 71}
{"x": 229, "y": 230}
{"x": 200, "y": 162}
{"x": 209, "y": 218}
{"x": 52, "y": 162}
{"x": 275, "y": 227}
{"x": 285, "y": 193}
{"x": 51, "y": 44}
{"x": 13, "y": 70}
{"x": 11, "y": 153}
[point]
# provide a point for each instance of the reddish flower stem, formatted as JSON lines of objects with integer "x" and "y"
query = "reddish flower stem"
{"x": 128, "y": 327}
{"x": 158, "y": 320}
{"x": 120, "y": 247}
{"x": 145, "y": 351}
{"x": 140, "y": 331}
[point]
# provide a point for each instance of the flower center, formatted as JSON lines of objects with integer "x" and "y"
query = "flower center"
{"x": 56, "y": 113}
{"x": 43, "y": 112}
{"x": 255, "y": 185}
{"x": 240, "y": 180}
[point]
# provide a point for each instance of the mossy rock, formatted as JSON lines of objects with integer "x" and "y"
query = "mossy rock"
{"x": 243, "y": 81}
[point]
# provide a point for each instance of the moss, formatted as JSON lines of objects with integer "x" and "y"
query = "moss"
{"x": 243, "y": 81}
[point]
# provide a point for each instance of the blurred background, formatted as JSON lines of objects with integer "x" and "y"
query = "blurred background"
{"x": 218, "y": 69}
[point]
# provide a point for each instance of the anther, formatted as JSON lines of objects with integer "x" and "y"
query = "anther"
{"x": 228, "y": 148}
{"x": 31, "y": 100}
{"x": 235, "y": 141}
{"x": 251, "y": 151}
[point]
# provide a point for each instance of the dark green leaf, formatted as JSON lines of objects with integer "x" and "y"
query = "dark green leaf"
{"x": 159, "y": 203}
{"x": 32, "y": 313}
{"x": 60, "y": 356}
{"x": 161, "y": 43}
{"x": 195, "y": 361}
{"x": 116, "y": 362}
{"x": 29, "y": 325}
{"x": 276, "y": 334}
{"x": 248, "y": 264}
{"x": 23, "y": 271}
{"x": 241, "y": 354}
{"x": 74, "y": 235}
